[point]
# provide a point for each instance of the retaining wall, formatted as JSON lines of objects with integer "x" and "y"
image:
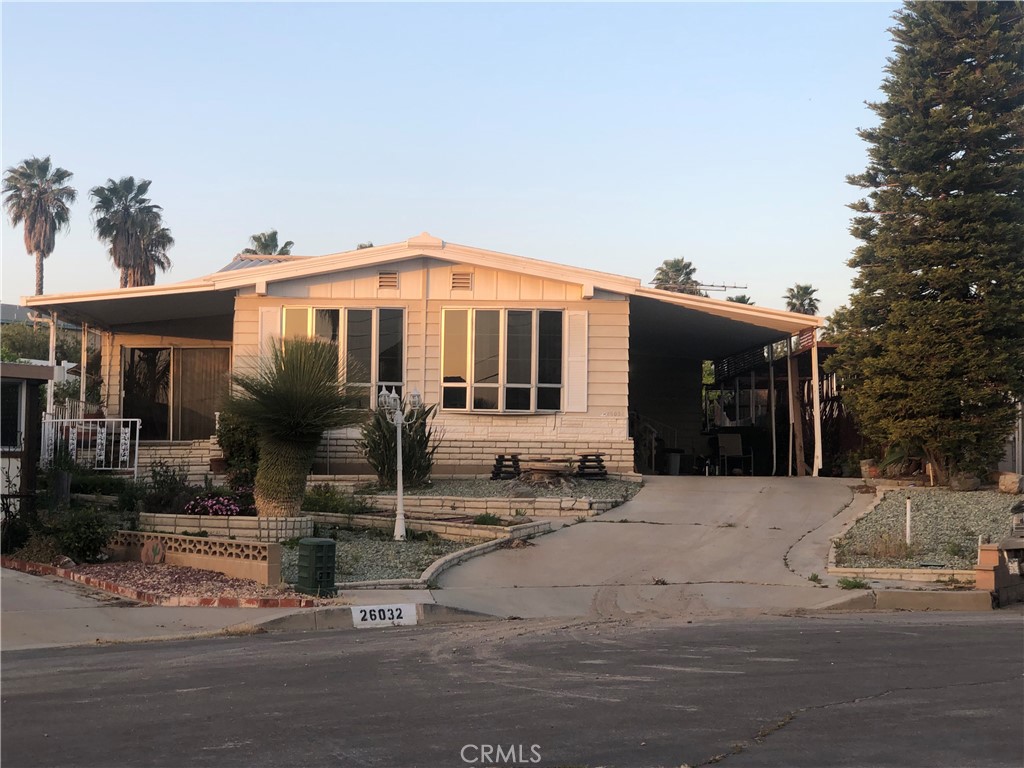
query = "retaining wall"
{"x": 273, "y": 529}
{"x": 444, "y": 529}
{"x": 258, "y": 561}
{"x": 500, "y": 506}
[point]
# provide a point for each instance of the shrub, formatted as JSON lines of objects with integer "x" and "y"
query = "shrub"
{"x": 15, "y": 528}
{"x": 83, "y": 532}
{"x": 845, "y": 582}
{"x": 488, "y": 519}
{"x": 168, "y": 490}
{"x": 105, "y": 484}
{"x": 326, "y": 498}
{"x": 419, "y": 444}
{"x": 240, "y": 443}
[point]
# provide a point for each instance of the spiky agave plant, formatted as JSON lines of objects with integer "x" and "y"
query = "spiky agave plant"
{"x": 291, "y": 400}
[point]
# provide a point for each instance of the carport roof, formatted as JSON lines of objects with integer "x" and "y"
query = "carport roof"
{"x": 711, "y": 328}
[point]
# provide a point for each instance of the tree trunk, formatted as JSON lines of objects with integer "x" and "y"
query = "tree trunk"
{"x": 39, "y": 274}
{"x": 281, "y": 478}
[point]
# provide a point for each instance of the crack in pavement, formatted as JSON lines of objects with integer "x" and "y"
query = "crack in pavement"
{"x": 767, "y": 730}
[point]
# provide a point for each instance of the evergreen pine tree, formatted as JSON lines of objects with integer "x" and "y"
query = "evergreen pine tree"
{"x": 931, "y": 347}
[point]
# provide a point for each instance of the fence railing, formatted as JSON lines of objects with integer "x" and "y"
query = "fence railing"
{"x": 102, "y": 444}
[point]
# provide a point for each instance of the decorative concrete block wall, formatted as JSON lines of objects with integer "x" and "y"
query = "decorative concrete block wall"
{"x": 273, "y": 529}
{"x": 240, "y": 559}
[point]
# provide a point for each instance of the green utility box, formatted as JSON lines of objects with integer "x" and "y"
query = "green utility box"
{"x": 316, "y": 567}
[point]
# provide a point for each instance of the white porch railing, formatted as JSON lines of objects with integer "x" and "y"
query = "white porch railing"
{"x": 101, "y": 444}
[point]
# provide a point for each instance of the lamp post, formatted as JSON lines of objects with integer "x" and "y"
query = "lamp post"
{"x": 391, "y": 404}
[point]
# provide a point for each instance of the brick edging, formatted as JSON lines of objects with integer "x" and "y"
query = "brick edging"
{"x": 181, "y": 601}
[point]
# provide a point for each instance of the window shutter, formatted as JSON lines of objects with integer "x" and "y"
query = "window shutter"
{"x": 270, "y": 328}
{"x": 576, "y": 363}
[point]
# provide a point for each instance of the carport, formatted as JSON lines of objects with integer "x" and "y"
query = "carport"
{"x": 679, "y": 412}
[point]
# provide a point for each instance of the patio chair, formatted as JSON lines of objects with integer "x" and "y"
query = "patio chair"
{"x": 730, "y": 450}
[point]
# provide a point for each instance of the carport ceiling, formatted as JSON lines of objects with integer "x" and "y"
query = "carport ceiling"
{"x": 198, "y": 314}
{"x": 659, "y": 328}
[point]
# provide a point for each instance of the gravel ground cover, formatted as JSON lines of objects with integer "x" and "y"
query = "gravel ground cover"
{"x": 577, "y": 488}
{"x": 369, "y": 555}
{"x": 945, "y": 526}
{"x": 178, "y": 581}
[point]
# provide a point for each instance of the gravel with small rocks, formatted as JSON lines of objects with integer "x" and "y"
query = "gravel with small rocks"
{"x": 178, "y": 580}
{"x": 369, "y": 555}
{"x": 945, "y": 526}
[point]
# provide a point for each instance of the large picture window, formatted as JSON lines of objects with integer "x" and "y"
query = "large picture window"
{"x": 502, "y": 360}
{"x": 371, "y": 344}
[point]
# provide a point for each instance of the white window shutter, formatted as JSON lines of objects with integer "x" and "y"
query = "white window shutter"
{"x": 270, "y": 328}
{"x": 576, "y": 363}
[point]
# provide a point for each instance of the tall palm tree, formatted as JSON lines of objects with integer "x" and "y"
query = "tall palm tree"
{"x": 38, "y": 197}
{"x": 156, "y": 241}
{"x": 265, "y": 244}
{"x": 291, "y": 400}
{"x": 741, "y": 299}
{"x": 133, "y": 226}
{"x": 800, "y": 299}
{"x": 677, "y": 275}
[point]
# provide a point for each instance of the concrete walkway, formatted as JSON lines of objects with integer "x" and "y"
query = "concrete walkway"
{"x": 684, "y": 546}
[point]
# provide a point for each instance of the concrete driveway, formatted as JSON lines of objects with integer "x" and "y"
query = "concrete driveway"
{"x": 723, "y": 546}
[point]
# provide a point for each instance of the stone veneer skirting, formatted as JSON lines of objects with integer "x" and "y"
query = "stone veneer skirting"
{"x": 273, "y": 529}
{"x": 257, "y": 561}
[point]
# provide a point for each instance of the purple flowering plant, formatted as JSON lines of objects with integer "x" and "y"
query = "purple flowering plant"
{"x": 213, "y": 504}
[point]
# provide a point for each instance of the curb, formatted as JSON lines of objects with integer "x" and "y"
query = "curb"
{"x": 908, "y": 600}
{"x": 340, "y": 617}
{"x": 151, "y": 598}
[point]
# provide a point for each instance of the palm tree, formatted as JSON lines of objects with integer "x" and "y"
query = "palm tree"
{"x": 265, "y": 244}
{"x": 291, "y": 400}
{"x": 741, "y": 299}
{"x": 677, "y": 275}
{"x": 38, "y": 197}
{"x": 156, "y": 241}
{"x": 800, "y": 299}
{"x": 133, "y": 226}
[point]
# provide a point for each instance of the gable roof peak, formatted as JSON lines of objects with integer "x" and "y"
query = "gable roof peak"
{"x": 424, "y": 240}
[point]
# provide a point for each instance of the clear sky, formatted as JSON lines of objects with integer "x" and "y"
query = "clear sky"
{"x": 604, "y": 136}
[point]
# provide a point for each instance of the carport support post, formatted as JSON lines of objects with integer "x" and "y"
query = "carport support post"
{"x": 82, "y": 367}
{"x": 796, "y": 426}
{"x": 53, "y": 362}
{"x": 816, "y": 390}
{"x": 771, "y": 405}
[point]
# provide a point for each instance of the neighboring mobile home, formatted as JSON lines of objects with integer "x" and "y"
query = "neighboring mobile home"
{"x": 522, "y": 356}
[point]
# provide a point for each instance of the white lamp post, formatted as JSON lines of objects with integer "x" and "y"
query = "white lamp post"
{"x": 391, "y": 404}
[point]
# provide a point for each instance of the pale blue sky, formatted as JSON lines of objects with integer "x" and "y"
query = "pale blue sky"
{"x": 605, "y": 136}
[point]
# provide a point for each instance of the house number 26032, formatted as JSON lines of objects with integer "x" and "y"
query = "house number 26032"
{"x": 383, "y": 615}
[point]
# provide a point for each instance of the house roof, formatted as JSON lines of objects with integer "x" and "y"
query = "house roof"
{"x": 213, "y": 295}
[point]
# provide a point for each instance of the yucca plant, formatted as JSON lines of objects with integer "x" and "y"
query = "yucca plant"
{"x": 420, "y": 442}
{"x": 291, "y": 400}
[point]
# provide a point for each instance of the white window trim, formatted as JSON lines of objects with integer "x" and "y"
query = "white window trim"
{"x": 374, "y": 384}
{"x": 502, "y": 385}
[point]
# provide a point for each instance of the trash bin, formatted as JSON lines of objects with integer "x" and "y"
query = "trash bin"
{"x": 316, "y": 567}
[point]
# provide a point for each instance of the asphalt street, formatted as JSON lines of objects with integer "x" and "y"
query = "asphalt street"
{"x": 856, "y": 690}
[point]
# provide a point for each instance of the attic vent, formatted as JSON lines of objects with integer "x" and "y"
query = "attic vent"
{"x": 462, "y": 281}
{"x": 387, "y": 280}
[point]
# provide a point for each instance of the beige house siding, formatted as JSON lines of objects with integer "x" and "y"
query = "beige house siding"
{"x": 425, "y": 288}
